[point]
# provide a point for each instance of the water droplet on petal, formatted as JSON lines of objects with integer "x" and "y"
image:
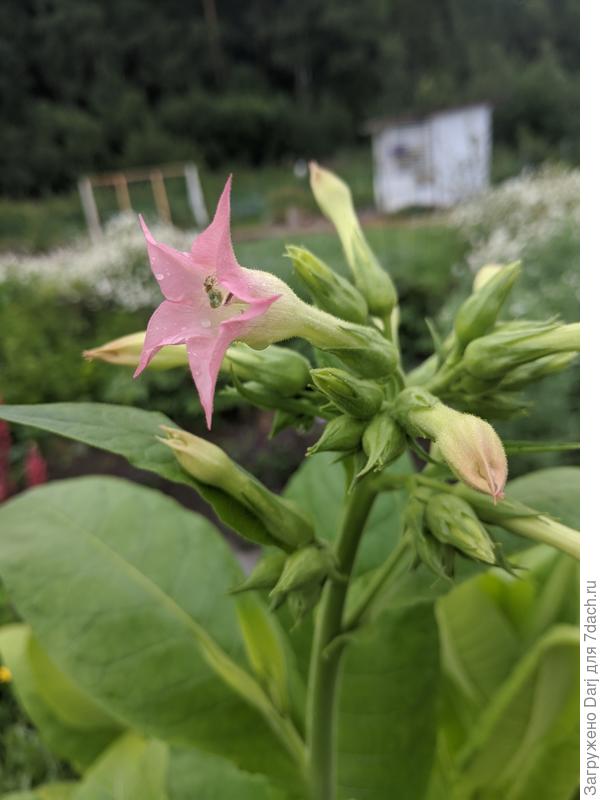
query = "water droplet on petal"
{"x": 205, "y": 323}
{"x": 159, "y": 276}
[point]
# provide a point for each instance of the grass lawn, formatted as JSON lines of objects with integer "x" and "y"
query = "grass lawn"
{"x": 419, "y": 257}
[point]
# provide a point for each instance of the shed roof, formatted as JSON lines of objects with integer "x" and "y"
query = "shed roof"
{"x": 379, "y": 124}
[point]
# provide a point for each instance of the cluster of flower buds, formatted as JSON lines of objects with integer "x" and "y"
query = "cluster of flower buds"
{"x": 296, "y": 578}
{"x": 484, "y": 362}
{"x": 363, "y": 425}
{"x": 441, "y": 525}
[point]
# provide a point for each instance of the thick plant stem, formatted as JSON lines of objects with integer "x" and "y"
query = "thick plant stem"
{"x": 324, "y": 669}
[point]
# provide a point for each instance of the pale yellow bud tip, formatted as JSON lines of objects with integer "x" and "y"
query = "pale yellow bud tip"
{"x": 485, "y": 274}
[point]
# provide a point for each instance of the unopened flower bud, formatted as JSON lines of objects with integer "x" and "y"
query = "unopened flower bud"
{"x": 279, "y": 369}
{"x": 479, "y": 312}
{"x": 351, "y": 395}
{"x": 330, "y": 291}
{"x": 341, "y": 435}
{"x": 210, "y": 465}
{"x": 469, "y": 445}
{"x": 510, "y": 346}
{"x": 383, "y": 441}
{"x": 126, "y": 351}
{"x": 364, "y": 350}
{"x": 264, "y": 575}
{"x": 484, "y": 274}
{"x": 536, "y": 370}
{"x": 301, "y": 601}
{"x": 307, "y": 566}
{"x": 452, "y": 521}
{"x": 335, "y": 200}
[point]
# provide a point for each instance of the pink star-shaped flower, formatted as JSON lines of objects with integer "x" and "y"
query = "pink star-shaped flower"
{"x": 210, "y": 300}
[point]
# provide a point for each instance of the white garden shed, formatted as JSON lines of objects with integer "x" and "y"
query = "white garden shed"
{"x": 433, "y": 160}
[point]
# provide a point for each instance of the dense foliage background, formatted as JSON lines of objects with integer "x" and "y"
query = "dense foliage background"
{"x": 93, "y": 84}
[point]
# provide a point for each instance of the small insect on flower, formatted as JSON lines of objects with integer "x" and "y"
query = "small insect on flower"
{"x": 215, "y": 297}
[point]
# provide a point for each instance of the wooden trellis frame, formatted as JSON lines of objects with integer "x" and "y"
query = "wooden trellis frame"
{"x": 156, "y": 177}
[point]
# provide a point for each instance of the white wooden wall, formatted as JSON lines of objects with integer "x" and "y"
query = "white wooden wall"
{"x": 435, "y": 162}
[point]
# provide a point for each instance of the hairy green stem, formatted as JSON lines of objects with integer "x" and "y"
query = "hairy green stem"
{"x": 536, "y": 526}
{"x": 546, "y": 530}
{"x": 324, "y": 670}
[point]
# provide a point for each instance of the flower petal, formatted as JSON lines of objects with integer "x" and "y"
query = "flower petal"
{"x": 239, "y": 324}
{"x": 205, "y": 355}
{"x": 212, "y": 249}
{"x": 173, "y": 323}
{"x": 176, "y": 273}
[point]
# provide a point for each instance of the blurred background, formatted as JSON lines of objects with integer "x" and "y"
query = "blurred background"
{"x": 96, "y": 92}
{"x": 116, "y": 90}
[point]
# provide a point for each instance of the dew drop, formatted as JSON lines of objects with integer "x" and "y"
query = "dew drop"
{"x": 159, "y": 276}
{"x": 205, "y": 323}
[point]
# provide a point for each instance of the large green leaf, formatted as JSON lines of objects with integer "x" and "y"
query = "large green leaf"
{"x": 387, "y": 711}
{"x": 193, "y": 775}
{"x": 69, "y": 721}
{"x": 133, "y": 767}
{"x": 526, "y": 743}
{"x": 480, "y": 645}
{"x": 127, "y": 592}
{"x": 136, "y": 768}
{"x": 132, "y": 433}
{"x": 501, "y": 653}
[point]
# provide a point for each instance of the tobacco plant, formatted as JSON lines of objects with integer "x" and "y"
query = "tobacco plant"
{"x": 408, "y": 631}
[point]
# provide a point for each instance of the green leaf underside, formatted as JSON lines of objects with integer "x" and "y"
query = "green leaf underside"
{"x": 194, "y": 775}
{"x": 510, "y": 689}
{"x": 526, "y": 742}
{"x": 133, "y": 767}
{"x": 387, "y": 711}
{"x": 68, "y": 720}
{"x": 122, "y": 587}
{"x": 136, "y": 768}
{"x": 132, "y": 433}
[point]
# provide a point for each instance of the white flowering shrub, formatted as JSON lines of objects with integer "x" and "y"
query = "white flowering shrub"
{"x": 522, "y": 212}
{"x": 112, "y": 268}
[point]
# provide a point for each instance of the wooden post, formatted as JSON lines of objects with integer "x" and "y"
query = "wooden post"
{"x": 90, "y": 210}
{"x": 122, "y": 191}
{"x": 195, "y": 195}
{"x": 160, "y": 195}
